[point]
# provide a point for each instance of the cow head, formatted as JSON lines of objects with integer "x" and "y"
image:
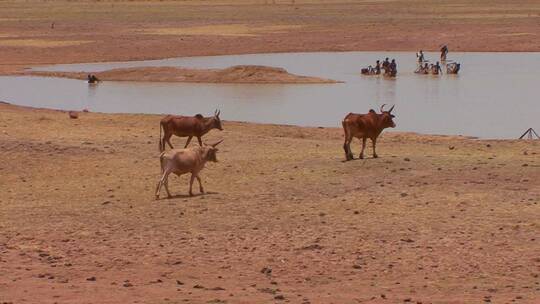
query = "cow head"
{"x": 216, "y": 122}
{"x": 387, "y": 118}
{"x": 210, "y": 151}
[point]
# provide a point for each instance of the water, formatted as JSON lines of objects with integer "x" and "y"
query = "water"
{"x": 496, "y": 95}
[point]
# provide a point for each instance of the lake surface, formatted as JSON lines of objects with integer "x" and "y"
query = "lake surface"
{"x": 496, "y": 95}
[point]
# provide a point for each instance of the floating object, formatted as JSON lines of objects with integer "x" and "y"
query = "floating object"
{"x": 530, "y": 134}
{"x": 92, "y": 79}
{"x": 453, "y": 68}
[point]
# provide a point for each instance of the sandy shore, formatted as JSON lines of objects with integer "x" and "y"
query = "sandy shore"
{"x": 234, "y": 74}
{"x": 49, "y": 32}
{"x": 435, "y": 219}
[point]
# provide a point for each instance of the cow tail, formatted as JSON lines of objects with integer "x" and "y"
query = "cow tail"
{"x": 343, "y": 123}
{"x": 346, "y": 131}
{"x": 161, "y": 161}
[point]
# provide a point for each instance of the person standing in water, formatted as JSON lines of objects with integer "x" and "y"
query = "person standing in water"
{"x": 385, "y": 64}
{"x": 393, "y": 68}
{"x": 378, "y": 67}
{"x": 444, "y": 52}
{"x": 438, "y": 68}
{"x": 420, "y": 58}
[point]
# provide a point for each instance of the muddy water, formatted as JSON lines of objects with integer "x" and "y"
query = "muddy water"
{"x": 496, "y": 95}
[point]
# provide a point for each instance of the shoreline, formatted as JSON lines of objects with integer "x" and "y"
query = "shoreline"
{"x": 412, "y": 133}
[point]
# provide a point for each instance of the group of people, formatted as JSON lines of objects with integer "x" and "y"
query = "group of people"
{"x": 444, "y": 52}
{"x": 389, "y": 67}
{"x": 428, "y": 68}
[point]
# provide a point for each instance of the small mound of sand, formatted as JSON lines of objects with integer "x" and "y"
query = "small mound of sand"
{"x": 234, "y": 74}
{"x": 263, "y": 74}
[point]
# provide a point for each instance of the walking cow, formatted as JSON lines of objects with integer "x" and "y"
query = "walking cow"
{"x": 364, "y": 126}
{"x": 187, "y": 126}
{"x": 181, "y": 161}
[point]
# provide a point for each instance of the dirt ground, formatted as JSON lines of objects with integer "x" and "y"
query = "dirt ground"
{"x": 435, "y": 219}
{"x": 48, "y": 32}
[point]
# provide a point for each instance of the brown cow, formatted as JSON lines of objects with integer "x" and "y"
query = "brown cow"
{"x": 187, "y": 126}
{"x": 364, "y": 126}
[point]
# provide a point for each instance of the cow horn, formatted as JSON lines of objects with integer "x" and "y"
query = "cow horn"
{"x": 382, "y": 107}
{"x": 215, "y": 144}
{"x": 218, "y": 112}
{"x": 390, "y": 111}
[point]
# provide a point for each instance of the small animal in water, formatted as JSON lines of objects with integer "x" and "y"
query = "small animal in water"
{"x": 364, "y": 126}
{"x": 92, "y": 78}
{"x": 181, "y": 161}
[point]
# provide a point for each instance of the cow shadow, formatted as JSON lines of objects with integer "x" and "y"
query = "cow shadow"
{"x": 195, "y": 195}
{"x": 358, "y": 158}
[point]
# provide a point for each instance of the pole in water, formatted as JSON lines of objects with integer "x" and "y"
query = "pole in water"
{"x": 530, "y": 134}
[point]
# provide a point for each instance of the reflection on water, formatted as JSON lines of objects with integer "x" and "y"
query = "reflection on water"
{"x": 494, "y": 96}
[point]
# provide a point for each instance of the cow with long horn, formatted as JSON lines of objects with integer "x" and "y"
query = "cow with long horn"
{"x": 364, "y": 126}
{"x": 187, "y": 126}
{"x": 180, "y": 161}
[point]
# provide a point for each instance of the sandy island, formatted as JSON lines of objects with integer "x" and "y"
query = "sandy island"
{"x": 234, "y": 74}
{"x": 435, "y": 219}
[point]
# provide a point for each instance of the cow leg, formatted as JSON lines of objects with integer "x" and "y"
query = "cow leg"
{"x": 200, "y": 141}
{"x": 191, "y": 184}
{"x": 167, "y": 138}
{"x": 200, "y": 184}
{"x": 167, "y": 187}
{"x": 188, "y": 141}
{"x": 363, "y": 147}
{"x": 163, "y": 180}
{"x": 374, "y": 142}
{"x": 347, "y": 147}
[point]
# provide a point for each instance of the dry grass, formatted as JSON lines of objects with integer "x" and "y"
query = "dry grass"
{"x": 222, "y": 30}
{"x": 41, "y": 43}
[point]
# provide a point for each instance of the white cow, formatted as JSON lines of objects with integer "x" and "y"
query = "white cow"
{"x": 181, "y": 161}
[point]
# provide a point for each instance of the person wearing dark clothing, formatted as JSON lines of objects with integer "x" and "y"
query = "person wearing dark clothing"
{"x": 378, "y": 67}
{"x": 385, "y": 64}
{"x": 393, "y": 68}
{"x": 444, "y": 52}
{"x": 437, "y": 68}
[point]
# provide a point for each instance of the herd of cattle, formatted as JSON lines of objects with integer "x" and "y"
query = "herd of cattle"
{"x": 192, "y": 160}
